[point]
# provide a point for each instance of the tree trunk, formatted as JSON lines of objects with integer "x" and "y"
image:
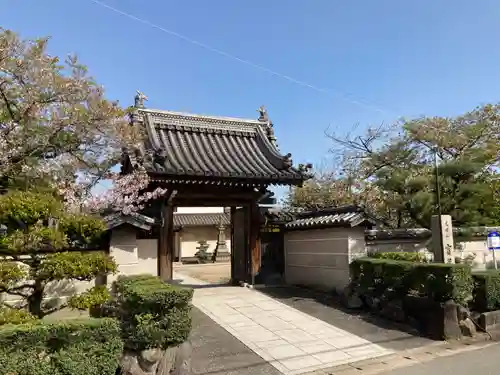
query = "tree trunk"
{"x": 400, "y": 219}
{"x": 35, "y": 300}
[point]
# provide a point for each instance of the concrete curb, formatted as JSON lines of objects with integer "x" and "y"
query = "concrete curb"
{"x": 407, "y": 357}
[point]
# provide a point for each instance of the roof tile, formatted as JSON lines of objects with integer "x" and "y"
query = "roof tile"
{"x": 187, "y": 145}
{"x": 185, "y": 220}
{"x": 350, "y": 216}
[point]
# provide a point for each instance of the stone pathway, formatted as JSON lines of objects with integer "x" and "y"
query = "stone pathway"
{"x": 291, "y": 341}
{"x": 328, "y": 308}
{"x": 217, "y": 352}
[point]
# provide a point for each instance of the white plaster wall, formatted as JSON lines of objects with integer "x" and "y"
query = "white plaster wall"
{"x": 190, "y": 236}
{"x": 386, "y": 246}
{"x": 317, "y": 258}
{"x": 123, "y": 248}
{"x": 133, "y": 256}
{"x": 357, "y": 244}
{"x": 475, "y": 246}
{"x": 56, "y": 292}
{"x": 199, "y": 210}
{"x": 147, "y": 254}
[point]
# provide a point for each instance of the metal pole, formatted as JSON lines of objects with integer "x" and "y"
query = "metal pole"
{"x": 438, "y": 201}
{"x": 436, "y": 175}
{"x": 493, "y": 242}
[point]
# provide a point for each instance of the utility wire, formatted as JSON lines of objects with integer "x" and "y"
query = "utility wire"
{"x": 321, "y": 90}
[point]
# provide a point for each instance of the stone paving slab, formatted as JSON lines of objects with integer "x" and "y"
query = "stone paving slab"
{"x": 390, "y": 335}
{"x": 217, "y": 352}
{"x": 290, "y": 340}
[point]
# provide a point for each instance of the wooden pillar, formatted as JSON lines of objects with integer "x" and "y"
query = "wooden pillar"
{"x": 240, "y": 264}
{"x": 254, "y": 241}
{"x": 233, "y": 273}
{"x": 166, "y": 246}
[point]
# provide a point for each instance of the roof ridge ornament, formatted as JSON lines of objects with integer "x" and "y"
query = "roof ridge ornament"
{"x": 305, "y": 168}
{"x": 287, "y": 161}
{"x": 263, "y": 116}
{"x": 139, "y": 99}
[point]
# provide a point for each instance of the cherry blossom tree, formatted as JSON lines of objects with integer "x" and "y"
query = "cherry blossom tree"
{"x": 58, "y": 131}
{"x": 59, "y": 138}
{"x": 55, "y": 122}
{"x": 128, "y": 193}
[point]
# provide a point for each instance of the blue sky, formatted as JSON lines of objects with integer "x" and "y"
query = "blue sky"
{"x": 375, "y": 60}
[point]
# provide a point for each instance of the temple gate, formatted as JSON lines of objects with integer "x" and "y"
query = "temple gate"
{"x": 211, "y": 161}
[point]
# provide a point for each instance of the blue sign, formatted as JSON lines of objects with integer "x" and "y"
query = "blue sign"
{"x": 493, "y": 241}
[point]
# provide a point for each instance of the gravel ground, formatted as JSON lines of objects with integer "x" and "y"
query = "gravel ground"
{"x": 217, "y": 273}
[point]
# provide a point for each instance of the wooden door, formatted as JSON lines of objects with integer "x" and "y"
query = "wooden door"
{"x": 239, "y": 244}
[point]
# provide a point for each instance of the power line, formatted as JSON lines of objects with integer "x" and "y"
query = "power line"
{"x": 246, "y": 62}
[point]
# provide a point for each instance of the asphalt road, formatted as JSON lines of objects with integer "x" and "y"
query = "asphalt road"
{"x": 484, "y": 361}
{"x": 217, "y": 352}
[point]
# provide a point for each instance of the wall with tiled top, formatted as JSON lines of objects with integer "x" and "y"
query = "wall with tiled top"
{"x": 199, "y": 210}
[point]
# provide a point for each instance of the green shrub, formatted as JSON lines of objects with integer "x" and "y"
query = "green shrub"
{"x": 486, "y": 290}
{"x": 152, "y": 314}
{"x": 122, "y": 283}
{"x": 407, "y": 256}
{"x": 9, "y": 315}
{"x": 386, "y": 278}
{"x": 70, "y": 347}
{"x": 90, "y": 299}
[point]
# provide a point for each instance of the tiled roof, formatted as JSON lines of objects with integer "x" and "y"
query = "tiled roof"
{"x": 277, "y": 215}
{"x": 180, "y": 220}
{"x": 349, "y": 216}
{"x": 398, "y": 234}
{"x": 189, "y": 220}
{"x": 423, "y": 233}
{"x": 183, "y": 146}
{"x": 135, "y": 219}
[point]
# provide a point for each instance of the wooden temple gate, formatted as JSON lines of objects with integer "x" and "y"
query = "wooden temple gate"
{"x": 211, "y": 161}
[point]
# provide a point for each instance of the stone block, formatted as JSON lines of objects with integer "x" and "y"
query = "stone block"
{"x": 172, "y": 361}
{"x": 183, "y": 355}
{"x": 350, "y": 298}
{"x": 442, "y": 239}
{"x": 223, "y": 256}
{"x": 490, "y": 320}
{"x": 467, "y": 327}
{"x": 432, "y": 319}
{"x": 451, "y": 328}
{"x": 463, "y": 312}
{"x": 373, "y": 303}
{"x": 353, "y": 302}
{"x": 394, "y": 311}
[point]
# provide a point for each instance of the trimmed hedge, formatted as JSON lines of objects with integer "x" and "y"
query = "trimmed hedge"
{"x": 406, "y": 256}
{"x": 393, "y": 279}
{"x": 69, "y": 347}
{"x": 486, "y": 290}
{"x": 152, "y": 314}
